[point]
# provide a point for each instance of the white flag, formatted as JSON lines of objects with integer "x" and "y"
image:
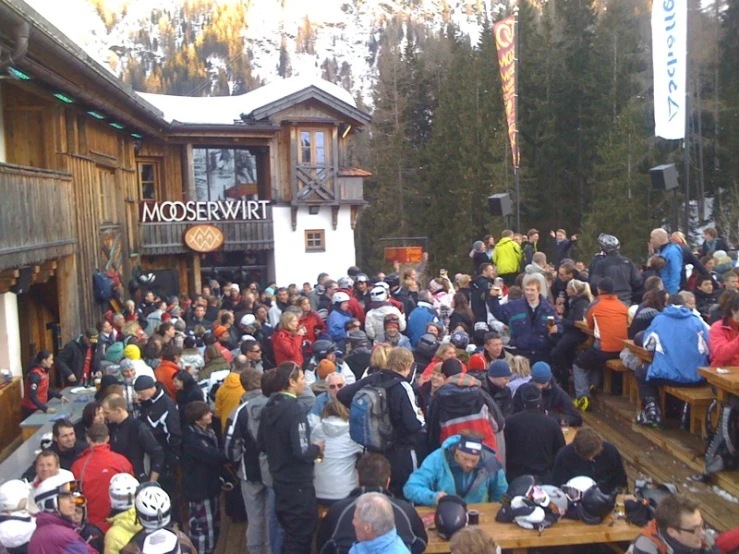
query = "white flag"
{"x": 669, "y": 56}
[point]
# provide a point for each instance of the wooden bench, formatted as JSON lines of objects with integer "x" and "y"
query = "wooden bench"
{"x": 629, "y": 388}
{"x": 698, "y": 398}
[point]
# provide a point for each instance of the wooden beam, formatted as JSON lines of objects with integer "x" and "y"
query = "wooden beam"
{"x": 42, "y": 276}
{"x": 10, "y": 274}
{"x": 49, "y": 265}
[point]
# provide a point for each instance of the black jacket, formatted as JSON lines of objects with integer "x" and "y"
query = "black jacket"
{"x": 555, "y": 402}
{"x": 336, "y": 533}
{"x": 720, "y": 244}
{"x": 502, "y": 396}
{"x": 202, "y": 461}
{"x": 479, "y": 258}
{"x": 642, "y": 320}
{"x": 461, "y": 317}
{"x": 284, "y": 434}
{"x": 481, "y": 297}
{"x": 627, "y": 280}
{"x": 560, "y": 287}
{"x": 71, "y": 360}
{"x": 161, "y": 415}
{"x": 67, "y": 458}
{"x": 562, "y": 251}
{"x": 358, "y": 360}
{"x": 704, "y": 302}
{"x": 134, "y": 439}
{"x": 404, "y": 297}
{"x": 191, "y": 392}
{"x": 607, "y": 469}
{"x": 532, "y": 441}
{"x": 407, "y": 424}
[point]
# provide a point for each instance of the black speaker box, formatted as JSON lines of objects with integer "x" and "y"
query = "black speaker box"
{"x": 500, "y": 204}
{"x": 664, "y": 177}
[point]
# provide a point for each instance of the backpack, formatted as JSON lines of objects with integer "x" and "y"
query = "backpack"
{"x": 369, "y": 418}
{"x": 464, "y": 410}
{"x": 102, "y": 287}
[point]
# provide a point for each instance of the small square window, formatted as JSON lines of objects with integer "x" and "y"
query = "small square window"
{"x": 315, "y": 240}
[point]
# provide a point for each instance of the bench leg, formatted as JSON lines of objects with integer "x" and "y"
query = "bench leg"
{"x": 607, "y": 380}
{"x": 662, "y": 402}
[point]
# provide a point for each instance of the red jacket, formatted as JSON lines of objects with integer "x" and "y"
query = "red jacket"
{"x": 287, "y": 347}
{"x": 724, "y": 344}
{"x": 94, "y": 469}
{"x": 609, "y": 318}
{"x": 355, "y": 308}
{"x": 165, "y": 375}
{"x": 310, "y": 321}
{"x": 42, "y": 389}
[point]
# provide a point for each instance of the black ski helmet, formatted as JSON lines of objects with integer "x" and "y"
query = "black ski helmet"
{"x": 595, "y": 506}
{"x": 450, "y": 516}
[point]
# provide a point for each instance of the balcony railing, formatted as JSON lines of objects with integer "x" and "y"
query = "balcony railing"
{"x": 167, "y": 238}
{"x": 324, "y": 185}
{"x": 37, "y": 216}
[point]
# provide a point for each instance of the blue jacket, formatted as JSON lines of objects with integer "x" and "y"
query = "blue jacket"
{"x": 680, "y": 344}
{"x": 320, "y": 403}
{"x": 435, "y": 475}
{"x": 528, "y": 335}
{"x": 418, "y": 319}
{"x": 389, "y": 543}
{"x": 670, "y": 274}
{"x": 337, "y": 321}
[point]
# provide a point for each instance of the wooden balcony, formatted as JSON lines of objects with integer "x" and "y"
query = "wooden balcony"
{"x": 37, "y": 216}
{"x": 326, "y": 186}
{"x": 167, "y": 238}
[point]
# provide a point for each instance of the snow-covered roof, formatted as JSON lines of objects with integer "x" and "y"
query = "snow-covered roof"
{"x": 227, "y": 109}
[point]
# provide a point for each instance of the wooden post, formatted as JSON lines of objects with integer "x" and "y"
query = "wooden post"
{"x": 188, "y": 173}
{"x": 196, "y": 284}
{"x": 68, "y": 291}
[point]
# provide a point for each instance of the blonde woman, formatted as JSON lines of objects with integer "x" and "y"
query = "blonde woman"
{"x": 288, "y": 340}
{"x": 446, "y": 350}
{"x": 378, "y": 358}
{"x": 473, "y": 540}
{"x": 563, "y": 354}
{"x": 427, "y": 391}
{"x": 520, "y": 373}
{"x": 336, "y": 477}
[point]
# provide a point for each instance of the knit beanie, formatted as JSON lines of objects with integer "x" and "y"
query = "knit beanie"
{"x": 132, "y": 352}
{"x": 499, "y": 368}
{"x": 541, "y": 373}
{"x": 114, "y": 353}
{"x": 325, "y": 368}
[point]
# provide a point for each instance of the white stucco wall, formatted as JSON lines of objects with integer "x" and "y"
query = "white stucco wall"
{"x": 10, "y": 335}
{"x": 2, "y": 128}
{"x": 293, "y": 264}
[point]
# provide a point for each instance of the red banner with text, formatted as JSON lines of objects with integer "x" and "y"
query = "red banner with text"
{"x": 505, "y": 41}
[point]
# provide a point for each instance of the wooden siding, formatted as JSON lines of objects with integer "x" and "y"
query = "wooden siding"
{"x": 36, "y": 216}
{"x": 167, "y": 238}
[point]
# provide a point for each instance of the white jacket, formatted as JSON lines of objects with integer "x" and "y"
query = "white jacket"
{"x": 373, "y": 323}
{"x": 17, "y": 531}
{"x": 336, "y": 476}
{"x": 273, "y": 315}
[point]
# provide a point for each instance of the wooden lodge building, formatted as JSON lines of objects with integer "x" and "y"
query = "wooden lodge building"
{"x": 97, "y": 177}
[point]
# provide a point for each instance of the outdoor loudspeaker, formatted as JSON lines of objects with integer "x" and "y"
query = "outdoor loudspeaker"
{"x": 500, "y": 204}
{"x": 664, "y": 177}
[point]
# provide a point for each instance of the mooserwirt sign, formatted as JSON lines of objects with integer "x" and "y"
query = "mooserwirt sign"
{"x": 193, "y": 211}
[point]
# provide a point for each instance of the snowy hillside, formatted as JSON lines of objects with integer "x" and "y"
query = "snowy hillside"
{"x": 209, "y": 47}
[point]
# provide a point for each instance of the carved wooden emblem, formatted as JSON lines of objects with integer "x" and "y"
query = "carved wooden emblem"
{"x": 204, "y": 238}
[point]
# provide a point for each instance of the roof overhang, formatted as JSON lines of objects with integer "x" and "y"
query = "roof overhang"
{"x": 310, "y": 93}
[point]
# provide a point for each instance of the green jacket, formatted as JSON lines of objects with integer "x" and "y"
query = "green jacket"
{"x": 507, "y": 256}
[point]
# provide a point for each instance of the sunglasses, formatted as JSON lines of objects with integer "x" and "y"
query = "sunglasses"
{"x": 255, "y": 351}
{"x": 338, "y": 386}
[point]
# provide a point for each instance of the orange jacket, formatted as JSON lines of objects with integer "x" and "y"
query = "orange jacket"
{"x": 609, "y": 319}
{"x": 165, "y": 375}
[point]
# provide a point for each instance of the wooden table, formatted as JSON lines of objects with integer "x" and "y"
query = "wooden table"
{"x": 645, "y": 356}
{"x": 726, "y": 383}
{"x": 583, "y": 326}
{"x": 569, "y": 433}
{"x": 71, "y": 409}
{"x": 567, "y": 532}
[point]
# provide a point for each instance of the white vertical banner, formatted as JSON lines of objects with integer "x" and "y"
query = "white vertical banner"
{"x": 670, "y": 60}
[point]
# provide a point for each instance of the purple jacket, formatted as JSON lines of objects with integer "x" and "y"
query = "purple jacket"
{"x": 56, "y": 535}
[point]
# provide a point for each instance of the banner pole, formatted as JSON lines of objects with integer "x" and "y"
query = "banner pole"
{"x": 686, "y": 142}
{"x": 517, "y": 154}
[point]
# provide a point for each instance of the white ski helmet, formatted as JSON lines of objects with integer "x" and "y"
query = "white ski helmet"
{"x": 122, "y": 491}
{"x": 47, "y": 493}
{"x": 345, "y": 282}
{"x": 377, "y": 294}
{"x": 531, "y": 521}
{"x": 340, "y": 297}
{"x": 153, "y": 507}
{"x": 12, "y": 495}
{"x": 576, "y": 487}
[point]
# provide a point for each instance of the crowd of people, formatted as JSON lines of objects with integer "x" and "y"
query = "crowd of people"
{"x": 365, "y": 396}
